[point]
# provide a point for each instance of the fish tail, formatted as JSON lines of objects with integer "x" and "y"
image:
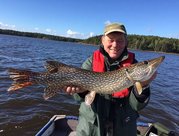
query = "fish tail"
{"x": 21, "y": 78}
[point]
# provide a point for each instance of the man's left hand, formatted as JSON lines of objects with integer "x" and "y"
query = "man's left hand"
{"x": 146, "y": 83}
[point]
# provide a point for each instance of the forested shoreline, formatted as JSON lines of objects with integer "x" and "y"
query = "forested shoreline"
{"x": 147, "y": 43}
{"x": 39, "y": 35}
{"x": 138, "y": 42}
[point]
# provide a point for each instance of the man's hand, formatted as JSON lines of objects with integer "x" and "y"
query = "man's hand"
{"x": 146, "y": 83}
{"x": 72, "y": 89}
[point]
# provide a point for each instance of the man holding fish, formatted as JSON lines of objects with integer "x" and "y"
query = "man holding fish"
{"x": 111, "y": 86}
{"x": 114, "y": 114}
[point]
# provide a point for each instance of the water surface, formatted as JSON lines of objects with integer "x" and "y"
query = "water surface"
{"x": 25, "y": 112}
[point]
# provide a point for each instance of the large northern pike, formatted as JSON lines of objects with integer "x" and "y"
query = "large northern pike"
{"x": 59, "y": 75}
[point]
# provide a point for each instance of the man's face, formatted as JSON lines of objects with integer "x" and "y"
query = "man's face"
{"x": 114, "y": 44}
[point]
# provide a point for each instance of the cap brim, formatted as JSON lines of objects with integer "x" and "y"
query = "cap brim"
{"x": 115, "y": 30}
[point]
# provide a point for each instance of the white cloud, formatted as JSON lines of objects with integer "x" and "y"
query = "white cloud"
{"x": 91, "y": 34}
{"x": 48, "y": 30}
{"x": 74, "y": 34}
{"x": 70, "y": 32}
{"x": 107, "y": 22}
{"x": 7, "y": 26}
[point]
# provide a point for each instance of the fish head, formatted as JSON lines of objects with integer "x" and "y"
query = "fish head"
{"x": 143, "y": 71}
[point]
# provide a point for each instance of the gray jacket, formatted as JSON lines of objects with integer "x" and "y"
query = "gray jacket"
{"x": 106, "y": 110}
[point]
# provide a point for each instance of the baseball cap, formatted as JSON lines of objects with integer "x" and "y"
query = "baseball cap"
{"x": 114, "y": 27}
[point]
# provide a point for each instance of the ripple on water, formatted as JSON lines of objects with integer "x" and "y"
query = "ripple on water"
{"x": 25, "y": 111}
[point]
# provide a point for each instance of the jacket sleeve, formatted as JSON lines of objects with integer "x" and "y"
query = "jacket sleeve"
{"x": 137, "y": 101}
{"x": 88, "y": 66}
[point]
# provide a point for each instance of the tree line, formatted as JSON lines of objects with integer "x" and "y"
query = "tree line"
{"x": 39, "y": 35}
{"x": 139, "y": 42}
{"x": 149, "y": 43}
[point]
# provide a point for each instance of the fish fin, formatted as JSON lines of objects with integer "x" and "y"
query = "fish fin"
{"x": 138, "y": 87}
{"x": 50, "y": 92}
{"x": 129, "y": 77}
{"x": 16, "y": 86}
{"x": 21, "y": 78}
{"x": 89, "y": 98}
{"x": 136, "y": 83}
{"x": 53, "y": 66}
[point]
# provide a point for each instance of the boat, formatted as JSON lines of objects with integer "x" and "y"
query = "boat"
{"x": 64, "y": 125}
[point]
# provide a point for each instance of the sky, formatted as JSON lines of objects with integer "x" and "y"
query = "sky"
{"x": 85, "y": 18}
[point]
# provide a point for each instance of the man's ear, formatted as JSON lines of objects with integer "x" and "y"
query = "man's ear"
{"x": 102, "y": 39}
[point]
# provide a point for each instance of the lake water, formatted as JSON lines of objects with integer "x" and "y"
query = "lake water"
{"x": 25, "y": 112}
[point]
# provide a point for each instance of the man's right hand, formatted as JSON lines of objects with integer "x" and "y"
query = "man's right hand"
{"x": 72, "y": 89}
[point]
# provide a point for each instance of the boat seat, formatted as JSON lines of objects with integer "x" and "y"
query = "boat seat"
{"x": 65, "y": 127}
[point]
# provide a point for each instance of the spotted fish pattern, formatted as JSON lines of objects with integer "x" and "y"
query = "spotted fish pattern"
{"x": 58, "y": 75}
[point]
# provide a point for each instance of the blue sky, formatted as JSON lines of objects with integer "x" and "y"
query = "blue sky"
{"x": 85, "y": 18}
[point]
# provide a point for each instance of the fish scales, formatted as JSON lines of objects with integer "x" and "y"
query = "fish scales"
{"x": 59, "y": 75}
